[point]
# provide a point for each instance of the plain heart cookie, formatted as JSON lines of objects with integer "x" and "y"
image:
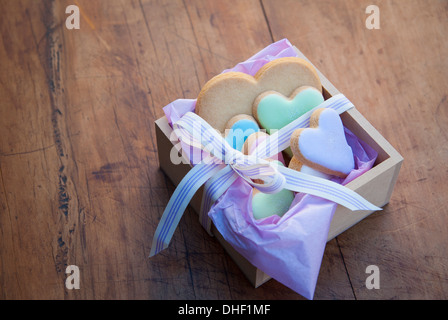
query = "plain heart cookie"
{"x": 323, "y": 145}
{"x": 229, "y": 94}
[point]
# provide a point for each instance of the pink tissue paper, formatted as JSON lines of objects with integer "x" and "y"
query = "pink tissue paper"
{"x": 288, "y": 248}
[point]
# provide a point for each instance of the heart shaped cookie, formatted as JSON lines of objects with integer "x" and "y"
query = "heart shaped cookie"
{"x": 238, "y": 129}
{"x": 265, "y": 205}
{"x": 323, "y": 145}
{"x": 274, "y": 111}
{"x": 232, "y": 93}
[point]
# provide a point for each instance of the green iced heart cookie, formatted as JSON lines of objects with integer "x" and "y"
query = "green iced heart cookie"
{"x": 274, "y": 111}
{"x": 265, "y": 204}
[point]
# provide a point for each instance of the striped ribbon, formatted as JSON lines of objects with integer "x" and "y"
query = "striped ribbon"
{"x": 225, "y": 164}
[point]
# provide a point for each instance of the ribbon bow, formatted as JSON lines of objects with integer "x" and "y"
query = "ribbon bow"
{"x": 222, "y": 165}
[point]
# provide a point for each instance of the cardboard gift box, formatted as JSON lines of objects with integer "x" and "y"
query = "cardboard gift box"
{"x": 376, "y": 185}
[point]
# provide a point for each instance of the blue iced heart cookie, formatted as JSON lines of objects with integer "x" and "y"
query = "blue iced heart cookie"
{"x": 238, "y": 129}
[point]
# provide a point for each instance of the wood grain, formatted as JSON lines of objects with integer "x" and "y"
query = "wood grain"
{"x": 80, "y": 182}
{"x": 396, "y": 77}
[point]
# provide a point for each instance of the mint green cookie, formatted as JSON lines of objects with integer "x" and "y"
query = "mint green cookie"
{"x": 274, "y": 111}
{"x": 265, "y": 204}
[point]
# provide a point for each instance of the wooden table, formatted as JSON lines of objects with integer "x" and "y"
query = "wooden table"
{"x": 80, "y": 179}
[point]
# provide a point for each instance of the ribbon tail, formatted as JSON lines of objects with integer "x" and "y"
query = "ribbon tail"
{"x": 179, "y": 201}
{"x": 213, "y": 189}
{"x": 301, "y": 182}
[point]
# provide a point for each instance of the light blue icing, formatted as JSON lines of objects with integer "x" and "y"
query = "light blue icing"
{"x": 237, "y": 135}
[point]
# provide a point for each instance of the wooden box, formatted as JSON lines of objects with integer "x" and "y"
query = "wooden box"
{"x": 376, "y": 185}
